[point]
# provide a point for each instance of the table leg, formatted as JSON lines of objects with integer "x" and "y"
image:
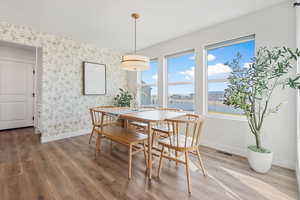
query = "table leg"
{"x": 149, "y": 151}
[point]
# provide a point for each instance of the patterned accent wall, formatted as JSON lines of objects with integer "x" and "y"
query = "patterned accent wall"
{"x": 62, "y": 106}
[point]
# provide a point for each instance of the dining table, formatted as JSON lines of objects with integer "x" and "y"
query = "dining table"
{"x": 145, "y": 115}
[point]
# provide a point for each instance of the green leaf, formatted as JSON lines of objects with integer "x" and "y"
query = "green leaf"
{"x": 250, "y": 89}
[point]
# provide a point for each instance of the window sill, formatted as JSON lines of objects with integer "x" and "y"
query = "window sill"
{"x": 226, "y": 117}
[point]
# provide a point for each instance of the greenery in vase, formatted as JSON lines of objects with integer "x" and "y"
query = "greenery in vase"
{"x": 250, "y": 89}
{"x": 123, "y": 99}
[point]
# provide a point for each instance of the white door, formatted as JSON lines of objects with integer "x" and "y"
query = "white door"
{"x": 16, "y": 94}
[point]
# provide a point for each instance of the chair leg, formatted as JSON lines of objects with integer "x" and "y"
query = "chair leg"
{"x": 111, "y": 145}
{"x": 91, "y": 136}
{"x": 187, "y": 169}
{"x": 201, "y": 163}
{"x": 176, "y": 155}
{"x": 130, "y": 162}
{"x": 169, "y": 149}
{"x": 160, "y": 161}
{"x": 145, "y": 154}
{"x": 153, "y": 137}
{"x": 98, "y": 144}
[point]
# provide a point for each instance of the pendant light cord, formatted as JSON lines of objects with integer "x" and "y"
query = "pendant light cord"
{"x": 135, "y": 36}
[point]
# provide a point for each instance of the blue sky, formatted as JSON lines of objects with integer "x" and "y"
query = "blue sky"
{"x": 217, "y": 57}
{"x": 181, "y": 69}
{"x": 148, "y": 76}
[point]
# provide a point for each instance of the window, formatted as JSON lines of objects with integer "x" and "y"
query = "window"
{"x": 217, "y": 71}
{"x": 181, "y": 70}
{"x": 149, "y": 84}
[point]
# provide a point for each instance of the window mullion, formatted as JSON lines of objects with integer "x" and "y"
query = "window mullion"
{"x": 218, "y": 81}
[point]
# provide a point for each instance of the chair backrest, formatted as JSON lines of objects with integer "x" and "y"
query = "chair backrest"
{"x": 168, "y": 109}
{"x": 96, "y": 116}
{"x": 189, "y": 126}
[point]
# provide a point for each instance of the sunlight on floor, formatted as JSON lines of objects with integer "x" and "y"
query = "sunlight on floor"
{"x": 264, "y": 189}
{"x": 195, "y": 167}
{"x": 228, "y": 191}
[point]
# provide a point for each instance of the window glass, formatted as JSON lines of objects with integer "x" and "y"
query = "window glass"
{"x": 216, "y": 97}
{"x": 150, "y": 76}
{"x": 181, "y": 71}
{"x": 183, "y": 100}
{"x": 218, "y": 72}
{"x": 149, "y": 84}
{"x": 149, "y": 95}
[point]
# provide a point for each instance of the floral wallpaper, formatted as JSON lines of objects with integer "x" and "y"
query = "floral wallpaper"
{"x": 62, "y": 106}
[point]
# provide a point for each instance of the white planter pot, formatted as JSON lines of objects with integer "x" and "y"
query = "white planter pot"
{"x": 260, "y": 162}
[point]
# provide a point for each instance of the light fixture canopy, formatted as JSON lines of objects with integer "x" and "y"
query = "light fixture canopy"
{"x": 135, "y": 62}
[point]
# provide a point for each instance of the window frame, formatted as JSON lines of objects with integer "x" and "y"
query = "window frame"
{"x": 192, "y": 82}
{"x": 149, "y": 84}
{"x": 205, "y": 64}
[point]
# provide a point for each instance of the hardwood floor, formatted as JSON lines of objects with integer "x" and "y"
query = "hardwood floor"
{"x": 67, "y": 169}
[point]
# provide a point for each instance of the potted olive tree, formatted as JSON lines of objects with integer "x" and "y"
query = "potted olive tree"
{"x": 250, "y": 90}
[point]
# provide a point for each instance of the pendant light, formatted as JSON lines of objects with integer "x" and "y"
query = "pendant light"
{"x": 135, "y": 62}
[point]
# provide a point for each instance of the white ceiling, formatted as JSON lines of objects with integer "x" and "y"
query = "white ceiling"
{"x": 107, "y": 23}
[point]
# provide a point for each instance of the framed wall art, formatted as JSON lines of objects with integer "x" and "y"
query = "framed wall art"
{"x": 94, "y": 78}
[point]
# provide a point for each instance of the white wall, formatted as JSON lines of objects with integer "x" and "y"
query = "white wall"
{"x": 298, "y": 94}
{"x": 63, "y": 110}
{"x": 274, "y": 26}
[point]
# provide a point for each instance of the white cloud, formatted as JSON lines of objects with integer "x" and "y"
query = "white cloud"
{"x": 188, "y": 78}
{"x": 218, "y": 68}
{"x": 247, "y": 65}
{"x": 211, "y": 57}
{"x": 192, "y": 57}
{"x": 189, "y": 74}
{"x": 155, "y": 77}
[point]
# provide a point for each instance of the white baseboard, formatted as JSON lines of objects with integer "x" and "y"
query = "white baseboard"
{"x": 45, "y": 139}
{"x": 243, "y": 152}
{"x": 284, "y": 163}
{"x": 225, "y": 148}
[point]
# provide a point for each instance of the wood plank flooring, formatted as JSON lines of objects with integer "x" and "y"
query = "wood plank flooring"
{"x": 67, "y": 169}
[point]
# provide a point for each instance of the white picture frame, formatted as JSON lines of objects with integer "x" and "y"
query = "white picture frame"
{"x": 94, "y": 78}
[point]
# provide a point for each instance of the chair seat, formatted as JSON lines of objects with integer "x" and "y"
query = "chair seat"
{"x": 163, "y": 128}
{"x": 181, "y": 143}
{"x": 139, "y": 124}
{"x": 122, "y": 135}
{"x": 160, "y": 127}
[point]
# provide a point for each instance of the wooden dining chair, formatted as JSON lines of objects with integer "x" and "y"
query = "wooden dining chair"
{"x": 96, "y": 119}
{"x": 135, "y": 141}
{"x": 185, "y": 139}
{"x": 163, "y": 129}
